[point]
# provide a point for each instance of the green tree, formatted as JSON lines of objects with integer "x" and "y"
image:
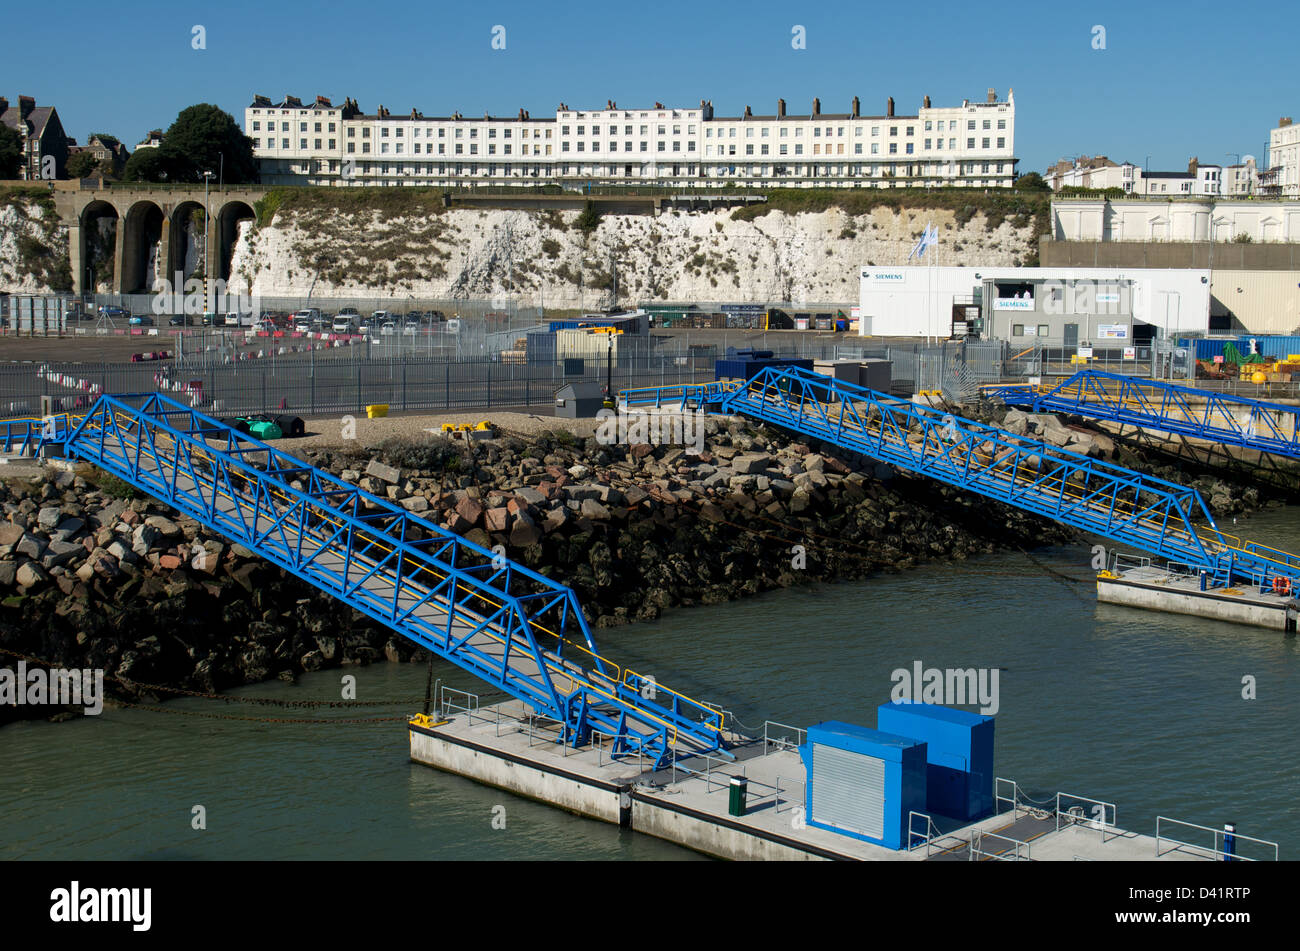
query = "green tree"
{"x": 1032, "y": 182}
{"x": 588, "y": 219}
{"x": 11, "y": 152}
{"x": 82, "y": 165}
{"x": 204, "y": 138}
{"x": 148, "y": 165}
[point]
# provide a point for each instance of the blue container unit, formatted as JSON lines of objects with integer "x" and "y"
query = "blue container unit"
{"x": 1277, "y": 347}
{"x": 862, "y": 782}
{"x": 744, "y": 369}
{"x": 627, "y": 323}
{"x": 540, "y": 347}
{"x": 959, "y": 755}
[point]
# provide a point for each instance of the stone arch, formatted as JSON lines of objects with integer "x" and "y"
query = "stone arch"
{"x": 142, "y": 227}
{"x": 98, "y": 242}
{"x": 185, "y": 228}
{"x": 227, "y": 228}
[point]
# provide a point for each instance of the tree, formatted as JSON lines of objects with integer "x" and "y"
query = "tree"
{"x": 82, "y": 165}
{"x": 11, "y": 152}
{"x": 148, "y": 165}
{"x": 1032, "y": 182}
{"x": 206, "y": 139}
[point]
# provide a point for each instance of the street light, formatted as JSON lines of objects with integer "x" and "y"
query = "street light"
{"x": 207, "y": 246}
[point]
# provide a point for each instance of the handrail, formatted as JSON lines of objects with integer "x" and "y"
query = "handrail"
{"x": 977, "y": 842}
{"x": 768, "y": 740}
{"x": 927, "y": 836}
{"x": 1093, "y": 821}
{"x": 1215, "y": 850}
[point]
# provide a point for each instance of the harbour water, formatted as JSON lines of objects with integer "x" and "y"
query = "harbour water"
{"x": 1141, "y": 709}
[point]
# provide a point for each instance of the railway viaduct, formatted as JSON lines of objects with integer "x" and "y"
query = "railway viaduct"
{"x": 148, "y": 215}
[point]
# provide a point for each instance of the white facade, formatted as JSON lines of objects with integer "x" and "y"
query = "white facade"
{"x": 1026, "y": 305}
{"x": 971, "y": 145}
{"x": 1208, "y": 181}
{"x": 1082, "y": 219}
{"x": 1284, "y": 156}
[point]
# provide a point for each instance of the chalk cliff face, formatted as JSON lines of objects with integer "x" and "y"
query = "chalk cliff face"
{"x": 33, "y": 248}
{"x": 544, "y": 258}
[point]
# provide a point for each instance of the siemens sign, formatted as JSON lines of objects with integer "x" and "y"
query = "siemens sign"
{"x": 883, "y": 276}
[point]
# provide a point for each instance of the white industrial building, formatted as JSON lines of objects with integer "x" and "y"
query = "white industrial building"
{"x": 1058, "y": 307}
{"x": 966, "y": 145}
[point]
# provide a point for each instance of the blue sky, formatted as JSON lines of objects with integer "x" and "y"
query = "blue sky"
{"x": 1175, "y": 79}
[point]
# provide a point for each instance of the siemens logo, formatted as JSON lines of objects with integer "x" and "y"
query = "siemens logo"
{"x": 882, "y": 277}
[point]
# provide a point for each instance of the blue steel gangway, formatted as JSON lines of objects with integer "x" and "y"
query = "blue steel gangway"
{"x": 512, "y": 627}
{"x": 1111, "y": 501}
{"x": 1167, "y": 407}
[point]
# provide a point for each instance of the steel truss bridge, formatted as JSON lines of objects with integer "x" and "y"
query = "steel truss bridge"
{"x": 1107, "y": 500}
{"x": 1167, "y": 407}
{"x": 511, "y": 627}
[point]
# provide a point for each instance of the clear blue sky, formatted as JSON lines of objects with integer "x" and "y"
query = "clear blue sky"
{"x": 1175, "y": 79}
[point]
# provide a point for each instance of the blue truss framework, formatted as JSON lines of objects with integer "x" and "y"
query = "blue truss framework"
{"x": 1182, "y": 410}
{"x": 512, "y": 627}
{"x": 1107, "y": 500}
{"x": 25, "y": 436}
{"x": 679, "y": 396}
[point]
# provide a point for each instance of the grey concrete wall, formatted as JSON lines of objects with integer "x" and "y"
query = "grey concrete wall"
{"x": 1272, "y": 256}
{"x": 568, "y": 793}
{"x": 709, "y": 836}
{"x": 1219, "y": 607}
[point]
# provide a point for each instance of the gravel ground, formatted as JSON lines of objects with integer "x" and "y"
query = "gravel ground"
{"x": 328, "y": 430}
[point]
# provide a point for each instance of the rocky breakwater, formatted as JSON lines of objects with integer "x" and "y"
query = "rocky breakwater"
{"x": 637, "y": 529}
{"x": 124, "y": 585}
{"x": 90, "y": 578}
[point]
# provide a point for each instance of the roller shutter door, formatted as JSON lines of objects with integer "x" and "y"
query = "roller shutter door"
{"x": 848, "y": 791}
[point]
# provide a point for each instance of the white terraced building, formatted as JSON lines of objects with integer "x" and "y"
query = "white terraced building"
{"x": 971, "y": 145}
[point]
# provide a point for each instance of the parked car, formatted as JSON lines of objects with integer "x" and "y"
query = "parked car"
{"x": 387, "y": 328}
{"x": 140, "y": 320}
{"x": 343, "y": 323}
{"x": 114, "y": 312}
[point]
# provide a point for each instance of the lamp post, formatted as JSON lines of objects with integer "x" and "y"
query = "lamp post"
{"x": 207, "y": 247}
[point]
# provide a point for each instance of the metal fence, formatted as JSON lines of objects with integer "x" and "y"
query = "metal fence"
{"x": 310, "y": 387}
